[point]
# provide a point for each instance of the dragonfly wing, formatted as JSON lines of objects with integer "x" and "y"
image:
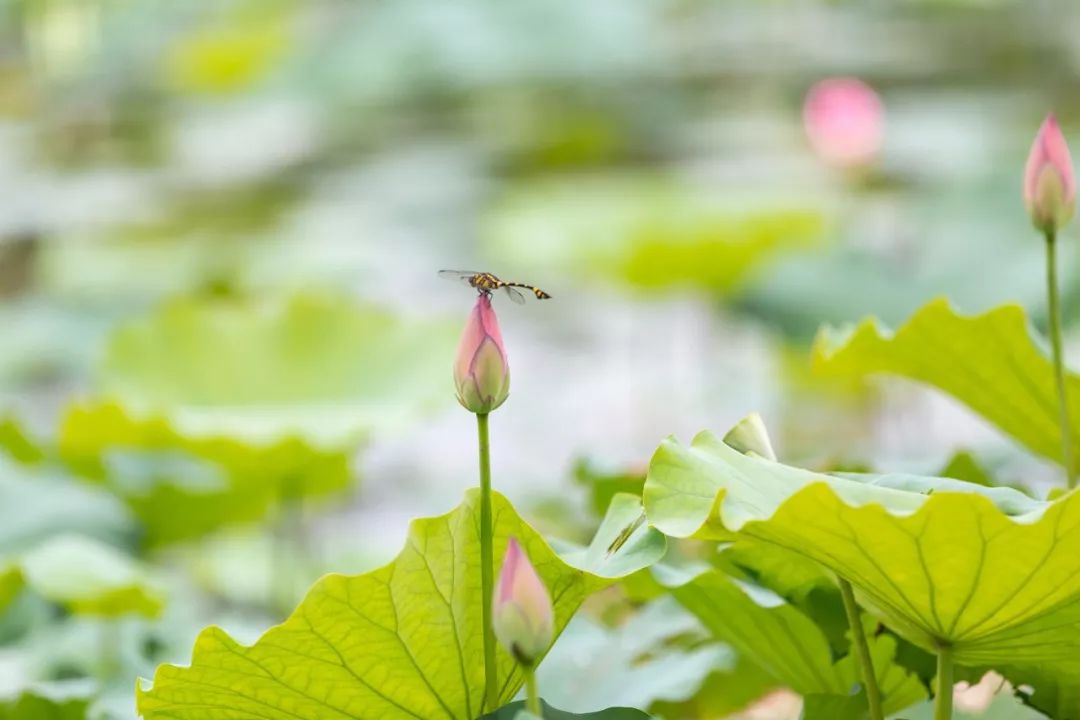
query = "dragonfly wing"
{"x": 464, "y": 276}
{"x": 514, "y": 294}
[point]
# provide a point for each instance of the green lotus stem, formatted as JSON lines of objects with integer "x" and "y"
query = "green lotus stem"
{"x": 487, "y": 564}
{"x": 532, "y": 694}
{"x": 862, "y": 652}
{"x": 1059, "y": 360}
{"x": 944, "y": 698}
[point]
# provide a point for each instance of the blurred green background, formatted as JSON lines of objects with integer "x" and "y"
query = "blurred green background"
{"x": 225, "y": 357}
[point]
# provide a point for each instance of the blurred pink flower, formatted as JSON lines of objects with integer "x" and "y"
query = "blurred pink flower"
{"x": 521, "y": 609}
{"x": 845, "y": 121}
{"x": 1049, "y": 183}
{"x": 481, "y": 372}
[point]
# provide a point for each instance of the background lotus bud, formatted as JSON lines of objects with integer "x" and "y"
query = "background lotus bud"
{"x": 845, "y": 121}
{"x": 522, "y": 614}
{"x": 481, "y": 373}
{"x": 1049, "y": 183}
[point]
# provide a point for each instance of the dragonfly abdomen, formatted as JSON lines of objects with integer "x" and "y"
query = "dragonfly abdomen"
{"x": 540, "y": 294}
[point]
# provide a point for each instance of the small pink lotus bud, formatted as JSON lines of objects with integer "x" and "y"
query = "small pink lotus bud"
{"x": 521, "y": 609}
{"x": 1049, "y": 183}
{"x": 845, "y": 121}
{"x": 481, "y": 373}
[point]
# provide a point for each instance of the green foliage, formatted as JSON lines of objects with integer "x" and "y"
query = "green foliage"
{"x": 803, "y": 583}
{"x": 647, "y": 231}
{"x": 315, "y": 367}
{"x": 402, "y": 641}
{"x": 964, "y": 466}
{"x": 721, "y": 694}
{"x": 182, "y": 487}
{"x": 86, "y": 576}
{"x": 605, "y": 485}
{"x": 789, "y": 645}
{"x": 219, "y": 407}
{"x": 989, "y": 571}
{"x": 36, "y": 504}
{"x": 516, "y": 711}
{"x": 1048, "y": 690}
{"x": 989, "y": 362}
{"x": 68, "y": 700}
{"x": 17, "y": 444}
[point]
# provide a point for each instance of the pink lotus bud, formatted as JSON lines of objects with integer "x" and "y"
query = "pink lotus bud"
{"x": 1049, "y": 183}
{"x": 481, "y": 373}
{"x": 845, "y": 121}
{"x": 522, "y": 615}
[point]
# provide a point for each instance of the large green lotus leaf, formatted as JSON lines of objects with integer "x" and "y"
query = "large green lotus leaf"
{"x": 650, "y": 232}
{"x": 182, "y": 487}
{"x": 1048, "y": 690}
{"x": 516, "y": 711}
{"x": 989, "y": 362}
{"x": 403, "y": 641}
{"x": 658, "y": 654}
{"x": 990, "y": 572}
{"x": 319, "y": 368}
{"x": 803, "y": 583}
{"x": 86, "y": 576}
{"x": 787, "y": 644}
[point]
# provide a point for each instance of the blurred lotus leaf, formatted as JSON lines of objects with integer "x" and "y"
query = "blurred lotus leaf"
{"x": 220, "y": 407}
{"x": 891, "y": 256}
{"x": 603, "y": 484}
{"x": 788, "y": 645}
{"x": 643, "y": 661}
{"x": 648, "y": 232}
{"x": 85, "y": 576}
{"x": 44, "y": 341}
{"x": 203, "y": 235}
{"x": 36, "y": 505}
{"x": 321, "y": 368}
{"x": 11, "y": 584}
{"x": 183, "y": 487}
{"x": 402, "y": 641}
{"x": 989, "y": 362}
{"x": 18, "y": 444}
{"x": 516, "y": 711}
{"x": 57, "y": 700}
{"x": 722, "y": 694}
{"x": 995, "y": 572}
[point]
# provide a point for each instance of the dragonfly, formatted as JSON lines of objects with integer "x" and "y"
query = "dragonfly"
{"x": 486, "y": 283}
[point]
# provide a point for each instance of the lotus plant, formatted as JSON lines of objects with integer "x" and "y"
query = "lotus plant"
{"x": 482, "y": 379}
{"x": 1050, "y": 197}
{"x": 523, "y": 616}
